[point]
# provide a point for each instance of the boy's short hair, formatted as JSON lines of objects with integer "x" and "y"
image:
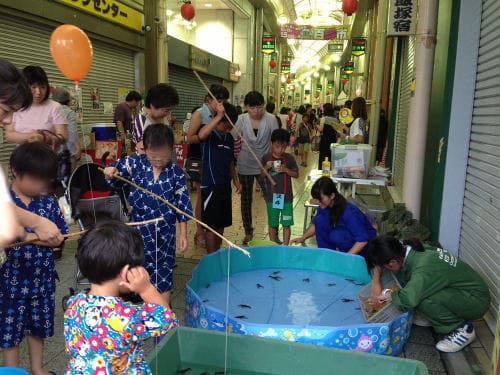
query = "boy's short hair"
{"x": 35, "y": 75}
{"x": 280, "y": 136}
{"x": 231, "y": 112}
{"x": 158, "y": 135}
{"x": 253, "y": 99}
{"x": 162, "y": 96}
{"x": 35, "y": 159}
{"x": 219, "y": 91}
{"x": 14, "y": 90}
{"x": 133, "y": 96}
{"x": 108, "y": 247}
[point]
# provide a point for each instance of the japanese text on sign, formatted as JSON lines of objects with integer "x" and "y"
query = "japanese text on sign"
{"x": 292, "y": 31}
{"x": 111, "y": 10}
{"x": 401, "y": 17}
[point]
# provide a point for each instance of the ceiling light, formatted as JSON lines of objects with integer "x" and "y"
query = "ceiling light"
{"x": 336, "y": 58}
{"x": 208, "y": 5}
{"x": 315, "y": 74}
{"x": 169, "y": 13}
{"x": 326, "y": 67}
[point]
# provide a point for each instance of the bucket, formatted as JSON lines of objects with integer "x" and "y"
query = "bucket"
{"x": 104, "y": 132}
{"x": 12, "y": 371}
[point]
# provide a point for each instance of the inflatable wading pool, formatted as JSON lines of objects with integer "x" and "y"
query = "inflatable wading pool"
{"x": 298, "y": 294}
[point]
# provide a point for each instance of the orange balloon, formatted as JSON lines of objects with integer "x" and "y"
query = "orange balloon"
{"x": 72, "y": 51}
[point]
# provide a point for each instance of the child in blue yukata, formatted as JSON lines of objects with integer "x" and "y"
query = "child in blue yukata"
{"x": 103, "y": 333}
{"x": 28, "y": 278}
{"x": 156, "y": 172}
{"x": 218, "y": 170}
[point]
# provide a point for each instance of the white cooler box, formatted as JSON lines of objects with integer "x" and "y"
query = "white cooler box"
{"x": 350, "y": 160}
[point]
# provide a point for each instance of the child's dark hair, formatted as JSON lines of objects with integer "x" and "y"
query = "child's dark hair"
{"x": 158, "y": 135}
{"x": 325, "y": 186}
{"x": 253, "y": 99}
{"x": 35, "y": 159}
{"x": 133, "y": 96}
{"x": 231, "y": 112}
{"x": 382, "y": 249}
{"x": 108, "y": 247}
{"x": 270, "y": 107}
{"x": 35, "y": 75}
{"x": 162, "y": 96}
{"x": 219, "y": 91}
{"x": 14, "y": 90}
{"x": 305, "y": 115}
{"x": 280, "y": 136}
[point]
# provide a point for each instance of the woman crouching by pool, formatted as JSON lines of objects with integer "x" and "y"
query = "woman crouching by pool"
{"x": 338, "y": 224}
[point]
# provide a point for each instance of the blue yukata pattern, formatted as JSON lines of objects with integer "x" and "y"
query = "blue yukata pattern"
{"x": 103, "y": 334}
{"x": 27, "y": 281}
{"x": 159, "y": 238}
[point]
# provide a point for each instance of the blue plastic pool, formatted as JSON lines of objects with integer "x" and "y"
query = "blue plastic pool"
{"x": 291, "y": 293}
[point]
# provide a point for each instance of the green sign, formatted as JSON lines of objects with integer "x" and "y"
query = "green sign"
{"x": 358, "y": 46}
{"x": 344, "y": 75}
{"x": 285, "y": 67}
{"x": 335, "y": 47}
{"x": 330, "y": 84}
{"x": 268, "y": 44}
{"x": 319, "y": 87}
{"x": 349, "y": 67}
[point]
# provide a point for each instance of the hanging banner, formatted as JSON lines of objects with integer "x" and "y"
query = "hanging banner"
{"x": 402, "y": 17}
{"x": 330, "y": 83}
{"x": 308, "y": 32}
{"x": 110, "y": 10}
{"x": 268, "y": 44}
{"x": 358, "y": 46}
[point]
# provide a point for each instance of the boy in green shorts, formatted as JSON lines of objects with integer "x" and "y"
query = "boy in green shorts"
{"x": 282, "y": 167}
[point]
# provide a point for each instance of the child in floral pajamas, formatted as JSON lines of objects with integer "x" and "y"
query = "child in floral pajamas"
{"x": 102, "y": 332}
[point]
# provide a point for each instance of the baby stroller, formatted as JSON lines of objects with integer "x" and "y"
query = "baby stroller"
{"x": 91, "y": 199}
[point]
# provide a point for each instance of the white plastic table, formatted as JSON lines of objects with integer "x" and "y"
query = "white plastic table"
{"x": 372, "y": 181}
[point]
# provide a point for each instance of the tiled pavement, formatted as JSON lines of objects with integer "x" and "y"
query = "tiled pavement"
{"x": 420, "y": 346}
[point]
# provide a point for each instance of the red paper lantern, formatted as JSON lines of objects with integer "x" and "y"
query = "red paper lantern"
{"x": 328, "y": 93}
{"x": 187, "y": 11}
{"x": 344, "y": 80}
{"x": 273, "y": 63}
{"x": 288, "y": 81}
{"x": 349, "y": 6}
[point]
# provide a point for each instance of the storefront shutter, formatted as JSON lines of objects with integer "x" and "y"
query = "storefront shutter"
{"x": 480, "y": 232}
{"x": 24, "y": 43}
{"x": 403, "y": 112}
{"x": 191, "y": 91}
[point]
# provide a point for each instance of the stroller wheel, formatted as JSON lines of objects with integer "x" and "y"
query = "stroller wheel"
{"x": 64, "y": 301}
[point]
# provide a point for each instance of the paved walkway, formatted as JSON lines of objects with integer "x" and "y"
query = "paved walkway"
{"x": 474, "y": 360}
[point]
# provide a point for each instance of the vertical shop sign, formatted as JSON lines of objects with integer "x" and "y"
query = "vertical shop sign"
{"x": 268, "y": 44}
{"x": 358, "y": 46}
{"x": 402, "y": 17}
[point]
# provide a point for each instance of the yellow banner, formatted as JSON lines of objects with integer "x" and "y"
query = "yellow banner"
{"x": 110, "y": 10}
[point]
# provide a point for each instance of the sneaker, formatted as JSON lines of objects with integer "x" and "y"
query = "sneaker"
{"x": 458, "y": 339}
{"x": 421, "y": 320}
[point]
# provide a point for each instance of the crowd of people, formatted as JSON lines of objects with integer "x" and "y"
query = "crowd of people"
{"x": 102, "y": 331}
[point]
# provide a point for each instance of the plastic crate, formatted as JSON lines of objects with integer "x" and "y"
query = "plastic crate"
{"x": 350, "y": 161}
{"x": 388, "y": 312}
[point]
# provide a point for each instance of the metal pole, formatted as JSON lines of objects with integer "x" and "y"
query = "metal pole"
{"x": 419, "y": 106}
{"x": 378, "y": 74}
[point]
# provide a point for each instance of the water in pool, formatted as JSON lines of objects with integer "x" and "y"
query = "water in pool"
{"x": 287, "y": 297}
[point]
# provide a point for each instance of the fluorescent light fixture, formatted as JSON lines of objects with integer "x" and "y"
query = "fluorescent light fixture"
{"x": 208, "y": 5}
{"x": 169, "y": 12}
{"x": 315, "y": 74}
{"x": 282, "y": 20}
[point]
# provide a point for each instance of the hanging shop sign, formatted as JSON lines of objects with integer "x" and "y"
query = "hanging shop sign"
{"x": 293, "y": 31}
{"x": 110, "y": 10}
{"x": 234, "y": 72}
{"x": 199, "y": 60}
{"x": 330, "y": 84}
{"x": 268, "y": 44}
{"x": 402, "y": 17}
{"x": 285, "y": 67}
{"x": 335, "y": 47}
{"x": 349, "y": 67}
{"x": 319, "y": 87}
{"x": 358, "y": 46}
